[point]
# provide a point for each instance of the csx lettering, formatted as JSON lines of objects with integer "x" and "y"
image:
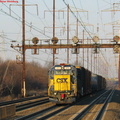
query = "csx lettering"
{"x": 62, "y": 80}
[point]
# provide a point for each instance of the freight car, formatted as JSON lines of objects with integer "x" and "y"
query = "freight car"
{"x": 67, "y": 83}
{"x": 97, "y": 82}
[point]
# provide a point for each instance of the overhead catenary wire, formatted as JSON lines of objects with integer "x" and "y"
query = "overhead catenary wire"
{"x": 20, "y": 20}
{"x": 104, "y": 32}
{"x": 8, "y": 42}
{"x": 29, "y": 56}
{"x": 62, "y": 25}
{"x": 79, "y": 20}
{"x": 44, "y": 22}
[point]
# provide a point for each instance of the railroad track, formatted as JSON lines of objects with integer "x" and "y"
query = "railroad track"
{"x": 44, "y": 113}
{"x": 31, "y": 104}
{"x": 92, "y": 109}
{"x": 95, "y": 110}
{"x": 87, "y": 109}
{"x": 51, "y": 111}
{"x": 19, "y": 100}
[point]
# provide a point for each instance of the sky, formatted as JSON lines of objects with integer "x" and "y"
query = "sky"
{"x": 39, "y": 21}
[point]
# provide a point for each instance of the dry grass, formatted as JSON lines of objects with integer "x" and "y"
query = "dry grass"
{"x": 6, "y": 98}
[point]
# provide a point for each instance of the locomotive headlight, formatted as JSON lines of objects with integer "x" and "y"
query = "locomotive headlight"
{"x": 69, "y": 93}
{"x": 55, "y": 93}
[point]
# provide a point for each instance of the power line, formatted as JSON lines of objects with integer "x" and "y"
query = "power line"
{"x": 51, "y": 12}
{"x": 20, "y": 20}
{"x": 79, "y": 20}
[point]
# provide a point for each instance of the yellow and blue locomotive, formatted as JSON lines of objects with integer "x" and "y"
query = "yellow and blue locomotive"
{"x": 67, "y": 83}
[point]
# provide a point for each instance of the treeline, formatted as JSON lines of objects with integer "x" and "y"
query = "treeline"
{"x": 11, "y": 77}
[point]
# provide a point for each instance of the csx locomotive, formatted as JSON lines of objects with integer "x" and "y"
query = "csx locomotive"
{"x": 67, "y": 83}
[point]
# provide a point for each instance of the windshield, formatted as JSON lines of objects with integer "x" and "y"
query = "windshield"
{"x": 62, "y": 72}
{"x": 51, "y": 73}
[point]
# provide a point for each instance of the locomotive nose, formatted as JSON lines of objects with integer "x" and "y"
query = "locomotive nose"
{"x": 62, "y": 96}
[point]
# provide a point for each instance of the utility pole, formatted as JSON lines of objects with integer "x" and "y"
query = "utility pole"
{"x": 115, "y": 9}
{"x": 77, "y": 36}
{"x": 119, "y": 72}
{"x": 87, "y": 56}
{"x": 23, "y": 90}
{"x": 53, "y": 29}
{"x": 68, "y": 33}
{"x": 19, "y": 61}
{"x": 83, "y": 48}
{"x": 68, "y": 28}
{"x": 91, "y": 59}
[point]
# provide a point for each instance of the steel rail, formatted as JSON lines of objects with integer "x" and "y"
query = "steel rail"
{"x": 80, "y": 115}
{"x": 31, "y": 104}
{"x": 43, "y": 114}
{"x": 36, "y": 113}
{"x": 19, "y": 100}
{"x": 100, "y": 114}
{"x": 53, "y": 113}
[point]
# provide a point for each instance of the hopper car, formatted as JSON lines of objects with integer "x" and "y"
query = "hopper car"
{"x": 67, "y": 83}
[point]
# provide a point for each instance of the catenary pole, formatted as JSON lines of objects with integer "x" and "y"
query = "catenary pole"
{"x": 23, "y": 90}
